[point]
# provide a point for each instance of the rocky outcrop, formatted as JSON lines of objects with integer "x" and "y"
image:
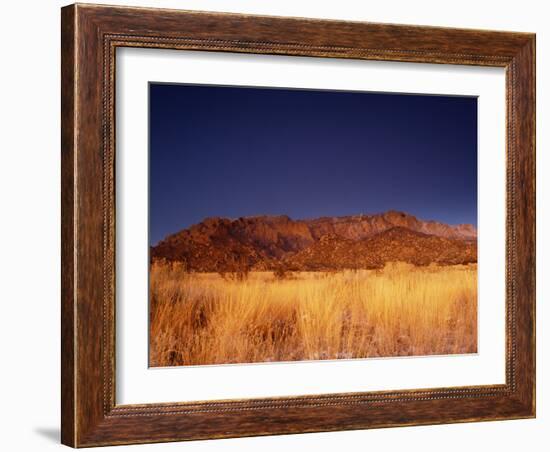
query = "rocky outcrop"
{"x": 360, "y": 241}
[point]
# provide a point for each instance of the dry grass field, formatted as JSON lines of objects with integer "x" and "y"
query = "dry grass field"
{"x": 402, "y": 310}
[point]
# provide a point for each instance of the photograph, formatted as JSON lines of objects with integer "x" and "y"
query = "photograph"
{"x": 298, "y": 225}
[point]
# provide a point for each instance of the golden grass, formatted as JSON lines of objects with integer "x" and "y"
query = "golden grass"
{"x": 401, "y": 310}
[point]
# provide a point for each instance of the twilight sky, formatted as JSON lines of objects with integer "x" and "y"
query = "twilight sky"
{"x": 234, "y": 151}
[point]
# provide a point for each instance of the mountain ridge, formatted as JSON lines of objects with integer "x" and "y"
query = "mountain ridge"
{"x": 267, "y": 242}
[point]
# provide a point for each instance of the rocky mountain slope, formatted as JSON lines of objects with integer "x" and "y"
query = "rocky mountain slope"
{"x": 361, "y": 241}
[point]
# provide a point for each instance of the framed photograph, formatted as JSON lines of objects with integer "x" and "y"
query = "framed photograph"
{"x": 281, "y": 225}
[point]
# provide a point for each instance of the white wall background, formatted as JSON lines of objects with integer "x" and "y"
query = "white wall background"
{"x": 29, "y": 251}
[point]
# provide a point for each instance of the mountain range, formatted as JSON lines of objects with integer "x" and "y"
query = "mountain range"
{"x": 329, "y": 243}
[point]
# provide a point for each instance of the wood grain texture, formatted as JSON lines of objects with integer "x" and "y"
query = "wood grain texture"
{"x": 90, "y": 36}
{"x": 67, "y": 226}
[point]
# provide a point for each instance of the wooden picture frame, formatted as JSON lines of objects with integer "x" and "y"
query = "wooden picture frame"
{"x": 90, "y": 36}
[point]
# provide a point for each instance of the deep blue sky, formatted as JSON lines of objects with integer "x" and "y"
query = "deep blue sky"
{"x": 235, "y": 151}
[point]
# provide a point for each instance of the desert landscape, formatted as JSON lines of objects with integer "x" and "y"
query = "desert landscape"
{"x": 310, "y": 224}
{"x": 272, "y": 288}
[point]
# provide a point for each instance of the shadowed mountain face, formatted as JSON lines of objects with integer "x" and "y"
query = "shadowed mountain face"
{"x": 328, "y": 243}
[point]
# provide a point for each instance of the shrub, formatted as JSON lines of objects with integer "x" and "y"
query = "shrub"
{"x": 281, "y": 272}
